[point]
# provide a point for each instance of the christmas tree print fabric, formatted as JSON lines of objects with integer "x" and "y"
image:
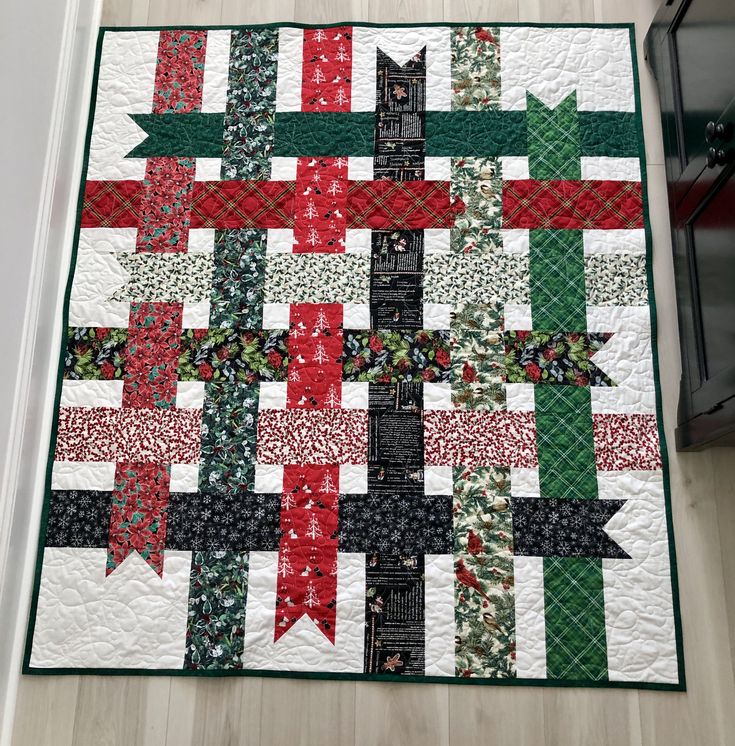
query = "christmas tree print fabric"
{"x": 358, "y": 373}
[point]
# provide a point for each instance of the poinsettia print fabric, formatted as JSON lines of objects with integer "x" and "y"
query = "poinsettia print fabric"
{"x": 358, "y": 374}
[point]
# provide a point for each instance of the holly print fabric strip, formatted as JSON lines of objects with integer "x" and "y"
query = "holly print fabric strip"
{"x": 358, "y": 374}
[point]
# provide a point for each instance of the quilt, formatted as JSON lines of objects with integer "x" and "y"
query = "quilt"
{"x": 358, "y": 375}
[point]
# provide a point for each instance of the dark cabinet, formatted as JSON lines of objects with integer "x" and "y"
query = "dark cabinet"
{"x": 691, "y": 49}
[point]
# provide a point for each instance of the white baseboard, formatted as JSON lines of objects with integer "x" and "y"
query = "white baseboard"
{"x": 22, "y": 488}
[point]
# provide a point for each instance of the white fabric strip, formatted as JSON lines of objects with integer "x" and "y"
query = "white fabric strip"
{"x": 83, "y": 475}
{"x": 628, "y": 359}
{"x": 184, "y": 478}
{"x": 130, "y": 619}
{"x": 127, "y": 73}
{"x": 290, "y": 62}
{"x": 530, "y": 620}
{"x": 400, "y": 44}
{"x": 304, "y": 647}
{"x": 621, "y": 241}
{"x": 551, "y": 63}
{"x": 639, "y": 614}
{"x": 611, "y": 169}
{"x": 216, "y": 70}
{"x": 439, "y": 614}
{"x": 91, "y": 394}
{"x": 98, "y": 275}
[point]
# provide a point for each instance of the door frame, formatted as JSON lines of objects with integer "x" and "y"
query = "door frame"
{"x": 53, "y": 216}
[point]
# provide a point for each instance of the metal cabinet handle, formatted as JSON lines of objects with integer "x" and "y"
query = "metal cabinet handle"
{"x": 720, "y": 131}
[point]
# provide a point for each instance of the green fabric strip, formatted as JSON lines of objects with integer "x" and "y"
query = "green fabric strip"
{"x": 238, "y": 279}
{"x": 243, "y": 138}
{"x": 486, "y": 133}
{"x": 327, "y": 133}
{"x": 251, "y": 105}
{"x": 608, "y": 133}
{"x": 194, "y": 135}
{"x": 491, "y": 132}
{"x": 215, "y": 624}
{"x": 229, "y": 432}
{"x": 558, "y": 299}
{"x": 553, "y": 139}
{"x": 564, "y": 439}
{"x": 576, "y": 643}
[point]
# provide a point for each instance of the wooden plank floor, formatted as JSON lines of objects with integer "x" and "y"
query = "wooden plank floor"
{"x": 98, "y": 711}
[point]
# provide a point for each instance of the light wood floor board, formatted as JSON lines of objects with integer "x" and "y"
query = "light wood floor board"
{"x": 405, "y": 11}
{"x": 559, "y": 11}
{"x": 220, "y": 711}
{"x": 139, "y": 711}
{"x": 237, "y": 11}
{"x": 459, "y": 11}
{"x": 397, "y": 714}
{"x": 306, "y": 712}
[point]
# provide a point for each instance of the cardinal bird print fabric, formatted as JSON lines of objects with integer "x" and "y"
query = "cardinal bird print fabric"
{"x": 358, "y": 375}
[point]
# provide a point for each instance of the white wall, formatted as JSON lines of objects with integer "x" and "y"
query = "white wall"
{"x": 30, "y": 37}
{"x": 45, "y": 81}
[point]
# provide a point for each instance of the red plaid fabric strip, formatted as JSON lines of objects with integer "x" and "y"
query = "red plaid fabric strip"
{"x": 572, "y": 204}
{"x": 243, "y": 204}
{"x": 411, "y": 205}
{"x": 111, "y": 204}
{"x": 379, "y": 205}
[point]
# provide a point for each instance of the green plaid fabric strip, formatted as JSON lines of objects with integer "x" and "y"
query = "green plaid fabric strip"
{"x": 576, "y": 643}
{"x": 554, "y": 148}
{"x": 558, "y": 297}
{"x": 566, "y": 450}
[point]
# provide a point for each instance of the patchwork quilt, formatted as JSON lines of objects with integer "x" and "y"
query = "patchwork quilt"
{"x": 358, "y": 376}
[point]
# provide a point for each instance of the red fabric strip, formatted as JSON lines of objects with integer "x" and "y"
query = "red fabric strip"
{"x": 164, "y": 207}
{"x": 243, "y": 204}
{"x": 138, "y": 514}
{"x": 572, "y": 204}
{"x": 480, "y": 438}
{"x": 411, "y": 205}
{"x": 626, "y": 441}
{"x": 379, "y": 205}
{"x": 111, "y": 204}
{"x": 152, "y": 355}
{"x": 327, "y": 69}
{"x": 307, "y": 559}
{"x": 314, "y": 352}
{"x": 319, "y": 436}
{"x": 162, "y": 212}
{"x": 179, "y": 71}
{"x": 320, "y": 205}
